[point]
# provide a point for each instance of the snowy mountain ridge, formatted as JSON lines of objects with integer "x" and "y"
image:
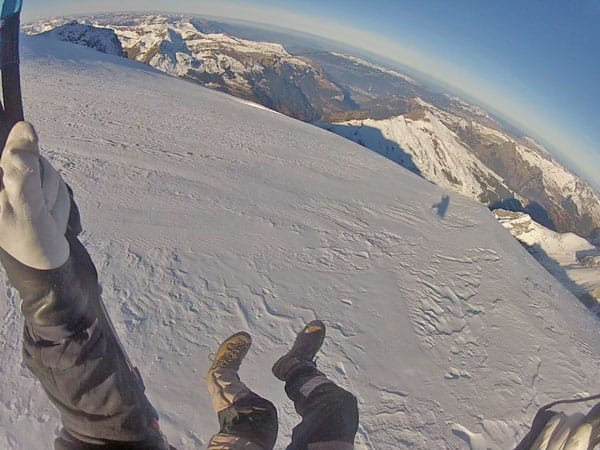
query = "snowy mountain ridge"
{"x": 42, "y": 26}
{"x": 184, "y": 49}
{"x": 262, "y": 72}
{"x": 570, "y": 258}
{"x": 540, "y": 177}
{"x": 487, "y": 164}
{"x": 425, "y": 145}
{"x": 471, "y": 109}
{"x": 103, "y": 40}
{"x": 229, "y": 217}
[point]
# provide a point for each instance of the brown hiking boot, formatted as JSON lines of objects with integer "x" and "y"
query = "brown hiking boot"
{"x": 222, "y": 379}
{"x": 303, "y": 352}
{"x": 231, "y": 352}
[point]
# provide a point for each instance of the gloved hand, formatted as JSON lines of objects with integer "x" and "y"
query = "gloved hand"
{"x": 553, "y": 430}
{"x": 34, "y": 203}
{"x": 564, "y": 432}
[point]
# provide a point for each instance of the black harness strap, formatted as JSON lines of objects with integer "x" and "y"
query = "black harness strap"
{"x": 12, "y": 110}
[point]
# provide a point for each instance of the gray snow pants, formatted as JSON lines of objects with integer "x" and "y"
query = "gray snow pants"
{"x": 329, "y": 416}
{"x": 72, "y": 349}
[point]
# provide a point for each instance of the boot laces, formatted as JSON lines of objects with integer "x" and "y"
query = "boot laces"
{"x": 232, "y": 355}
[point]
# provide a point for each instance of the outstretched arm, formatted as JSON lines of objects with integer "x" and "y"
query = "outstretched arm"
{"x": 69, "y": 342}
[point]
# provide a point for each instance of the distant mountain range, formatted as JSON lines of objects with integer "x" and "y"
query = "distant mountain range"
{"x": 437, "y": 136}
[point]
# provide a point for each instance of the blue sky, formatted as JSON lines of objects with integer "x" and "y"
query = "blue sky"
{"x": 534, "y": 62}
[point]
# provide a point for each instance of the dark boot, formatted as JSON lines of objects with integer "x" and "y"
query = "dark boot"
{"x": 329, "y": 413}
{"x": 303, "y": 352}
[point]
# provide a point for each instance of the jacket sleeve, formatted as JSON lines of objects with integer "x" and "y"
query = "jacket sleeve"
{"x": 57, "y": 304}
{"x": 70, "y": 345}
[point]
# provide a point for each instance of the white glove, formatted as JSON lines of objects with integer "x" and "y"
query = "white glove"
{"x": 34, "y": 203}
{"x": 563, "y": 432}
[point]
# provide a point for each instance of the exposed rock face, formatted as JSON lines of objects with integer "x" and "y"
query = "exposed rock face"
{"x": 101, "y": 39}
{"x": 262, "y": 72}
{"x": 558, "y": 198}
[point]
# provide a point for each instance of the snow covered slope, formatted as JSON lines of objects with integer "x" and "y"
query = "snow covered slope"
{"x": 465, "y": 150}
{"x": 570, "y": 258}
{"x": 205, "y": 216}
{"x": 423, "y": 143}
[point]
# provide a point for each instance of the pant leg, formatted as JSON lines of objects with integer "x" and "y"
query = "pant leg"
{"x": 247, "y": 421}
{"x": 250, "y": 424}
{"x": 72, "y": 349}
{"x": 65, "y": 442}
{"x": 329, "y": 413}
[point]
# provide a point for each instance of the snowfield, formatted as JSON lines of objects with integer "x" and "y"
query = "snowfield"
{"x": 206, "y": 216}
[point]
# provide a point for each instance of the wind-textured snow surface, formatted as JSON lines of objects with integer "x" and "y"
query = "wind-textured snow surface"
{"x": 207, "y": 216}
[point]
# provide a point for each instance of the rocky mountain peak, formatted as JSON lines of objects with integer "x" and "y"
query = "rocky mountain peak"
{"x": 103, "y": 40}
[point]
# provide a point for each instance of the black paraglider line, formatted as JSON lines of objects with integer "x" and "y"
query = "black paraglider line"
{"x": 12, "y": 109}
